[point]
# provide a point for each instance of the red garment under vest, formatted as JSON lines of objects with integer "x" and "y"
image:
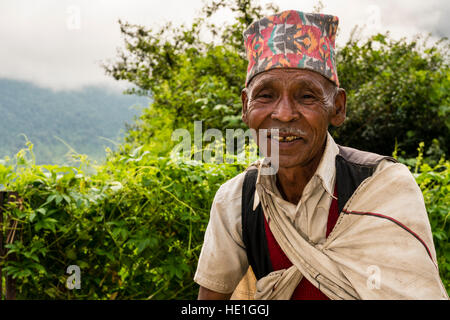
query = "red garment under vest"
{"x": 305, "y": 289}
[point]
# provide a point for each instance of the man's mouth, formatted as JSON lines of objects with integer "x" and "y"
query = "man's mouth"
{"x": 285, "y": 138}
{"x": 284, "y": 135}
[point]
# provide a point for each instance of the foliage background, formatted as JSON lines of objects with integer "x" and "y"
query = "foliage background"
{"x": 135, "y": 223}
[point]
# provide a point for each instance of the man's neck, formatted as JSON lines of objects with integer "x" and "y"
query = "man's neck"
{"x": 292, "y": 181}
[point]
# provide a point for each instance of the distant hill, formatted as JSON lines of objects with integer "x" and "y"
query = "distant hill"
{"x": 84, "y": 119}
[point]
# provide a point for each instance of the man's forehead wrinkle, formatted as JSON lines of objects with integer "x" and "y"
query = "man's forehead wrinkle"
{"x": 265, "y": 82}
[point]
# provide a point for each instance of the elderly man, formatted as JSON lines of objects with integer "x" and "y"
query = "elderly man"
{"x": 333, "y": 222}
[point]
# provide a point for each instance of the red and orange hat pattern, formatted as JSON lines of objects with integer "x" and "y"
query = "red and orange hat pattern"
{"x": 292, "y": 39}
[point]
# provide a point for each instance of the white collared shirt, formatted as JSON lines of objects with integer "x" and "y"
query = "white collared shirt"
{"x": 223, "y": 259}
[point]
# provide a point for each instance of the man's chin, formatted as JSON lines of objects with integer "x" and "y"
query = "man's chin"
{"x": 288, "y": 162}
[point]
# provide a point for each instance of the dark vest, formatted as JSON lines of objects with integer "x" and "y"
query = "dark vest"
{"x": 263, "y": 252}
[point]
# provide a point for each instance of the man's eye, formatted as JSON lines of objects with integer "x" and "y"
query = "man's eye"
{"x": 265, "y": 96}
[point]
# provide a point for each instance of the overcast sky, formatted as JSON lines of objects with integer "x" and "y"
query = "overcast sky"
{"x": 60, "y": 43}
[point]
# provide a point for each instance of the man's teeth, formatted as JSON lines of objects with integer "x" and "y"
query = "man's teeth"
{"x": 285, "y": 139}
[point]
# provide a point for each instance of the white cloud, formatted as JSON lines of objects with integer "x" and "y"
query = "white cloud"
{"x": 48, "y": 43}
{"x": 41, "y": 42}
{"x": 403, "y": 18}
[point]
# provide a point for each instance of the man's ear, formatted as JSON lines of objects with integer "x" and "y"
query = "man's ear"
{"x": 244, "y": 99}
{"x": 340, "y": 107}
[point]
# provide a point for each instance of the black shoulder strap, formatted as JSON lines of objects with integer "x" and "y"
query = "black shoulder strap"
{"x": 253, "y": 230}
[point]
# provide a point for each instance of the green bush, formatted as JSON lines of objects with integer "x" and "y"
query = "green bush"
{"x": 434, "y": 181}
{"x": 398, "y": 94}
{"x": 135, "y": 227}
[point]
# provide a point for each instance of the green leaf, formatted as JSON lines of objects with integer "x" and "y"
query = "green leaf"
{"x": 71, "y": 254}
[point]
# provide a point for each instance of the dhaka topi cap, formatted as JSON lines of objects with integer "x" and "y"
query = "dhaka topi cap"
{"x": 292, "y": 39}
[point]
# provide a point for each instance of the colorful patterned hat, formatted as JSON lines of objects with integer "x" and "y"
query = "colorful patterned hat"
{"x": 292, "y": 39}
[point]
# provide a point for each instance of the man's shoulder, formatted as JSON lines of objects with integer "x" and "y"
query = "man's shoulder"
{"x": 231, "y": 189}
{"x": 362, "y": 158}
{"x": 391, "y": 180}
{"x": 380, "y": 163}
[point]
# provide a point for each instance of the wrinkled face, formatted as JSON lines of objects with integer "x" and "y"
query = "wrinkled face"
{"x": 301, "y": 104}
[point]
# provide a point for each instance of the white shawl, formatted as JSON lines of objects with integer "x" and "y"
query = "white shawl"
{"x": 380, "y": 248}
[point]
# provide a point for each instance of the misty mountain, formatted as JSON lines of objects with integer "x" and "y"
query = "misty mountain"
{"x": 88, "y": 120}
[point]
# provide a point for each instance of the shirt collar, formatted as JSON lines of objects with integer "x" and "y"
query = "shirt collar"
{"x": 325, "y": 172}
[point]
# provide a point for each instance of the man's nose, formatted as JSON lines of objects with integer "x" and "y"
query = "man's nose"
{"x": 285, "y": 111}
